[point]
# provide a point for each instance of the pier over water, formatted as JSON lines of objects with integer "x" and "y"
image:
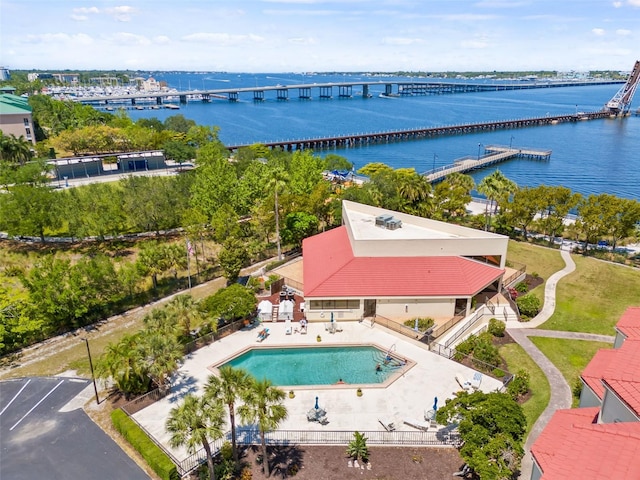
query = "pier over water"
{"x": 364, "y": 139}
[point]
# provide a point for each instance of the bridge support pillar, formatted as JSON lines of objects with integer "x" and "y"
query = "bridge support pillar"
{"x": 158, "y": 100}
{"x": 345, "y": 91}
{"x": 304, "y": 93}
{"x": 206, "y": 98}
{"x": 258, "y": 95}
{"x": 133, "y": 101}
{"x": 233, "y": 96}
{"x": 326, "y": 92}
{"x": 282, "y": 94}
{"x": 388, "y": 89}
{"x": 365, "y": 91}
{"x": 183, "y": 99}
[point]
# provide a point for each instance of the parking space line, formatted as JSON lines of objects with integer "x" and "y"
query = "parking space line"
{"x": 34, "y": 407}
{"x": 15, "y": 396}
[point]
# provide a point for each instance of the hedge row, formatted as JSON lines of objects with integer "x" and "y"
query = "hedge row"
{"x": 153, "y": 455}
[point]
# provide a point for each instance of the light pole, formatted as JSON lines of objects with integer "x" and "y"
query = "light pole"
{"x": 433, "y": 170}
{"x": 479, "y": 145}
{"x": 93, "y": 377}
{"x": 511, "y": 142}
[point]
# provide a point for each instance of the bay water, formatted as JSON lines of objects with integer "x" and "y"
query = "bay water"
{"x": 589, "y": 157}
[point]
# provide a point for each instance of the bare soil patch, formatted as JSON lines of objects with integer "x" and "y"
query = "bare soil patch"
{"x": 304, "y": 462}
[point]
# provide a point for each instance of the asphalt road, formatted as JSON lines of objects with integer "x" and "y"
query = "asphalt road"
{"x": 44, "y": 433}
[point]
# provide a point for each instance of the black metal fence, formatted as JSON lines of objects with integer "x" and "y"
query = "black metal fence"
{"x": 443, "y": 437}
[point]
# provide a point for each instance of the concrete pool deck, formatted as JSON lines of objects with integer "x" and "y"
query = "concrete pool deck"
{"x": 407, "y": 397}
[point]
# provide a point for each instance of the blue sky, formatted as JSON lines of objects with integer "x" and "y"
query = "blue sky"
{"x": 320, "y": 35}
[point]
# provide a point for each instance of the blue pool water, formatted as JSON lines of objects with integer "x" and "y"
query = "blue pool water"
{"x": 315, "y": 365}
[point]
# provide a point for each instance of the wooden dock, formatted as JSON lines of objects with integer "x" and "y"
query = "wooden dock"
{"x": 492, "y": 154}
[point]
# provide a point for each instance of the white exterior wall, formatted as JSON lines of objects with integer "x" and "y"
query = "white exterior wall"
{"x": 394, "y": 308}
{"x": 588, "y": 398}
{"x": 407, "y": 308}
{"x": 14, "y": 123}
{"x": 614, "y": 410}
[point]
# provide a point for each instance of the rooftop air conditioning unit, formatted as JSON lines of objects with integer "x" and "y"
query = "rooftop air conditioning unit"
{"x": 393, "y": 224}
{"x": 381, "y": 220}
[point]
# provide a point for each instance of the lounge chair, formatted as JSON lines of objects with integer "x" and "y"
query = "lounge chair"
{"x": 465, "y": 385}
{"x": 476, "y": 380}
{"x": 264, "y": 333}
{"x": 389, "y": 427}
{"x": 419, "y": 424}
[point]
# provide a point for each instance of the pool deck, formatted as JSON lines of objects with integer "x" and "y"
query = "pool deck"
{"x": 407, "y": 397}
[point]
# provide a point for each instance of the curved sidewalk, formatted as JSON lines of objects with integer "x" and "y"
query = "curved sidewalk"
{"x": 560, "y": 392}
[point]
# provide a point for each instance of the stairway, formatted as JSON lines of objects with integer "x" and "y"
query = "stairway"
{"x": 274, "y": 313}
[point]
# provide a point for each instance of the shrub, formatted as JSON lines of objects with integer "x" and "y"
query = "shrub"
{"x": 357, "y": 448}
{"x": 465, "y": 347}
{"x": 498, "y": 373}
{"x": 423, "y": 323}
{"x": 522, "y": 287}
{"x": 155, "y": 458}
{"x": 528, "y": 305}
{"x": 519, "y": 385}
{"x": 496, "y": 327}
{"x": 272, "y": 278}
{"x": 577, "y": 388}
{"x": 485, "y": 352}
{"x": 246, "y": 474}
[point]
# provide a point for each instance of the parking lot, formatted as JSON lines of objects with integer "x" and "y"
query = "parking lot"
{"x": 44, "y": 433}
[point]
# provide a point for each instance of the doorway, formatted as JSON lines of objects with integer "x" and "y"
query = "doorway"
{"x": 369, "y": 308}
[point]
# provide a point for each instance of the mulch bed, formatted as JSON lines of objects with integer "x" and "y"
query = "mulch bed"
{"x": 331, "y": 462}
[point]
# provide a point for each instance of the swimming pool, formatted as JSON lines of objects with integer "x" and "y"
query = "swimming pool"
{"x": 296, "y": 366}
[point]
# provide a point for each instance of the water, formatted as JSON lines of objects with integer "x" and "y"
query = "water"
{"x": 315, "y": 365}
{"x": 590, "y": 157}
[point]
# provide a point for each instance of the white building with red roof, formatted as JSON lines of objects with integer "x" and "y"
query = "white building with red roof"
{"x": 601, "y": 439}
{"x": 398, "y": 266}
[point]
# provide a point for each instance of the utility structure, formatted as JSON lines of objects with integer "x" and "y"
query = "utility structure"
{"x": 620, "y": 104}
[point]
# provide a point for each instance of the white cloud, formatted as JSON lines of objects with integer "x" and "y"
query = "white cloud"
{"x": 474, "y": 44}
{"x": 161, "y": 39}
{"x": 86, "y": 10}
{"x": 79, "y": 18}
{"x": 599, "y": 32}
{"x": 302, "y": 41}
{"x": 121, "y": 13}
{"x": 126, "y": 38}
{"x": 51, "y": 38}
{"x": 617, "y": 4}
{"x": 222, "y": 39}
{"x": 623, "y": 32}
{"x": 634, "y": 3}
{"x": 401, "y": 41}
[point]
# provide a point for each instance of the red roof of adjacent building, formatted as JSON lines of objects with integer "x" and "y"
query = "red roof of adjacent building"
{"x": 623, "y": 374}
{"x": 595, "y": 369}
{"x": 629, "y": 323}
{"x": 573, "y": 446}
{"x": 332, "y": 270}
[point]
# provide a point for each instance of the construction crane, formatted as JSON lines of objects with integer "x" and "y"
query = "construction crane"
{"x": 621, "y": 102}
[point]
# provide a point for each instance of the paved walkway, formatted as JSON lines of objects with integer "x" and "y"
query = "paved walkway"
{"x": 561, "y": 397}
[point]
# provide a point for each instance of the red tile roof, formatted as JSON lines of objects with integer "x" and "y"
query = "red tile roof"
{"x": 629, "y": 323}
{"x": 573, "y": 446}
{"x": 332, "y": 270}
{"x": 595, "y": 369}
{"x": 623, "y": 374}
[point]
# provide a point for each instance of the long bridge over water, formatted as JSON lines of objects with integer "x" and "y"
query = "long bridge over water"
{"x": 363, "y": 139}
{"x": 307, "y": 91}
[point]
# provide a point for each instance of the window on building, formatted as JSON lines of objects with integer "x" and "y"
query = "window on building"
{"x": 28, "y": 130}
{"x": 334, "y": 304}
{"x": 26, "y": 121}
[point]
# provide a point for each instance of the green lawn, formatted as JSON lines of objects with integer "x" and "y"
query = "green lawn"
{"x": 518, "y": 359}
{"x": 539, "y": 260}
{"x": 593, "y": 298}
{"x": 569, "y": 356}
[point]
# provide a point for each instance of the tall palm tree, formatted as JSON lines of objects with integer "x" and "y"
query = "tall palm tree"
{"x": 227, "y": 388}
{"x": 277, "y": 182}
{"x": 162, "y": 356}
{"x": 123, "y": 362}
{"x": 493, "y": 187}
{"x": 186, "y": 311}
{"x": 196, "y": 422}
{"x": 263, "y": 405}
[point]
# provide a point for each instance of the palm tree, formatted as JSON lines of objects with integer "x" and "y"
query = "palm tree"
{"x": 227, "y": 388}
{"x": 493, "y": 187}
{"x": 358, "y": 448}
{"x": 162, "y": 356}
{"x": 186, "y": 311}
{"x": 124, "y": 363}
{"x": 196, "y": 422}
{"x": 277, "y": 183}
{"x": 263, "y": 405}
{"x": 14, "y": 149}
